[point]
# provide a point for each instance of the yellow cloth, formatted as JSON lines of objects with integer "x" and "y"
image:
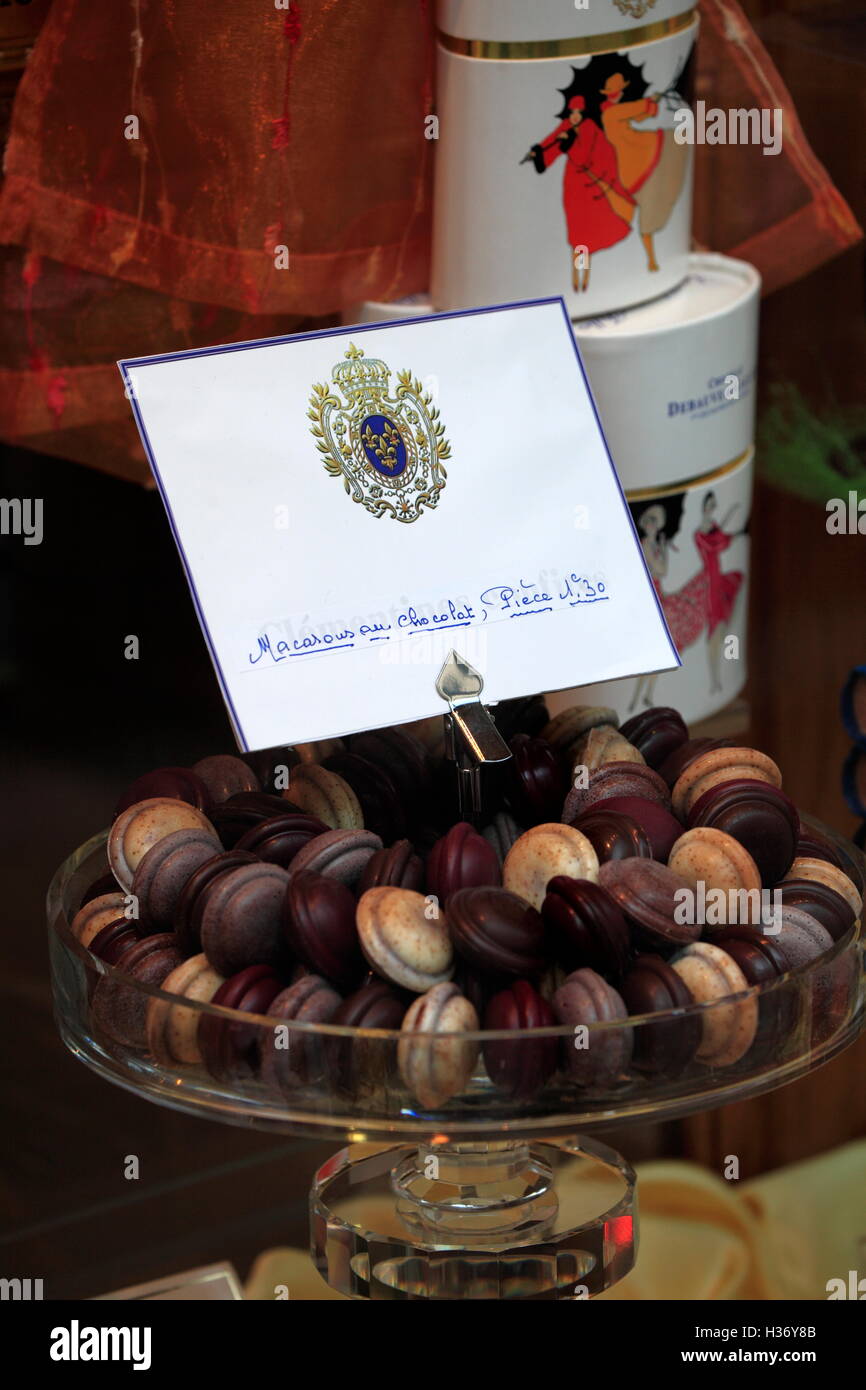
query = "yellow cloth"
{"x": 780, "y": 1236}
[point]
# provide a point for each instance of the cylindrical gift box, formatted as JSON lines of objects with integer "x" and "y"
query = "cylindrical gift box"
{"x": 558, "y": 168}
{"x": 675, "y": 380}
{"x": 414, "y": 306}
{"x": 695, "y": 540}
{"x": 675, "y": 385}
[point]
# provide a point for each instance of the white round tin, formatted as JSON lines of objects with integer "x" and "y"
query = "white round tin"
{"x": 558, "y": 168}
{"x": 695, "y": 540}
{"x": 675, "y": 381}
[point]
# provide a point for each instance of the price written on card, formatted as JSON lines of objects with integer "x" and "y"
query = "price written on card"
{"x": 498, "y": 602}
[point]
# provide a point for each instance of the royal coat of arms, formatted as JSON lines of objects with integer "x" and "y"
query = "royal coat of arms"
{"x": 387, "y": 449}
{"x": 635, "y": 9}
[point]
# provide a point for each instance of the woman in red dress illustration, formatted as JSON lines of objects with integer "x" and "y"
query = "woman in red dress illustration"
{"x": 598, "y": 211}
{"x": 705, "y": 602}
{"x": 685, "y": 610}
{"x": 722, "y": 586}
{"x": 618, "y": 172}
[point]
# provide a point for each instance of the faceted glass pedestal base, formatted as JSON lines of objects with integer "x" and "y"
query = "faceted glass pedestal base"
{"x": 551, "y": 1220}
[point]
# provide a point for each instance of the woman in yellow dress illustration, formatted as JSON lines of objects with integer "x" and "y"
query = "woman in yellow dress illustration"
{"x": 650, "y": 163}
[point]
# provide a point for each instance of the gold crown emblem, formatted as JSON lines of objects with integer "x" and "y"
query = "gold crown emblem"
{"x": 388, "y": 449}
{"x": 359, "y": 374}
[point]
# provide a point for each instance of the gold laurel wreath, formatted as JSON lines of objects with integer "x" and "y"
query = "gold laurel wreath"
{"x": 410, "y": 390}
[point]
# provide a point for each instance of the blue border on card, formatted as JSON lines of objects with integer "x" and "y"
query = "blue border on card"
{"x": 126, "y": 363}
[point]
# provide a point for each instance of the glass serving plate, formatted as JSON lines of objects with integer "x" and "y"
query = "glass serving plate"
{"x": 488, "y": 1195}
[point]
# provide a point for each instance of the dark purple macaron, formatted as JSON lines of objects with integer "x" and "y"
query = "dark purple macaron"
{"x": 523, "y": 1067}
{"x": 398, "y": 866}
{"x": 461, "y": 859}
{"x": 659, "y": 825}
{"x": 662, "y": 1047}
{"x": 178, "y": 783}
{"x": 234, "y": 817}
{"x": 496, "y": 932}
{"x": 242, "y": 921}
{"x": 192, "y": 901}
{"x": 319, "y": 925}
{"x": 401, "y": 756}
{"x": 535, "y": 782}
{"x": 119, "y": 1008}
{"x": 525, "y": 714}
{"x": 112, "y": 940}
{"x": 358, "y": 1064}
{"x": 586, "y": 927}
{"x": 277, "y": 841}
{"x": 760, "y": 816}
{"x": 762, "y": 961}
{"x": 656, "y": 733}
{"x": 230, "y": 1048}
{"x": 820, "y": 901}
{"x": 613, "y": 834}
{"x": 293, "y": 1057}
{"x": 377, "y": 795}
{"x": 654, "y": 901}
{"x": 594, "y": 1058}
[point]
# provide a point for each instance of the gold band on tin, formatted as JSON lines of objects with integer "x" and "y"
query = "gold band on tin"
{"x": 518, "y": 50}
{"x": 643, "y": 494}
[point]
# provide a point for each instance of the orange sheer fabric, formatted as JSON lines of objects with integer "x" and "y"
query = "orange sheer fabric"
{"x": 281, "y": 170}
{"x": 781, "y": 212}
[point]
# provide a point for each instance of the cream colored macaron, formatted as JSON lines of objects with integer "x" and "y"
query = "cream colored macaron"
{"x": 603, "y": 744}
{"x": 709, "y": 856}
{"x": 721, "y": 765}
{"x": 565, "y": 728}
{"x": 821, "y": 871}
{"x": 144, "y": 824}
{"x": 172, "y": 1030}
{"x": 727, "y": 1029}
{"x": 403, "y": 940}
{"x": 437, "y": 1068}
{"x": 543, "y": 852}
{"x": 93, "y": 916}
{"x": 326, "y": 795}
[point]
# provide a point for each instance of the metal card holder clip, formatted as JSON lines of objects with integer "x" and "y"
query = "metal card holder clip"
{"x": 472, "y": 737}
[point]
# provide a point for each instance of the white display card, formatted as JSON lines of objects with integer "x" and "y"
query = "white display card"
{"x": 351, "y": 504}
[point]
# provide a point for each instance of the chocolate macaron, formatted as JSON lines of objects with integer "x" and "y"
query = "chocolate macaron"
{"x": 242, "y": 921}
{"x": 594, "y": 1058}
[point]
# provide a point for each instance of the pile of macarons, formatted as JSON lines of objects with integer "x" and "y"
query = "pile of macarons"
{"x": 331, "y": 884}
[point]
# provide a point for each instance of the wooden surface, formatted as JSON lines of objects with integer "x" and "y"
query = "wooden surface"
{"x": 808, "y": 591}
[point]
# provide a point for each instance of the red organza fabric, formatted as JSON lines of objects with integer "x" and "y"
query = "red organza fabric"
{"x": 281, "y": 171}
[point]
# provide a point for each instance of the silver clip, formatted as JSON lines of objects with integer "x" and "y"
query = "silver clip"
{"x": 473, "y": 737}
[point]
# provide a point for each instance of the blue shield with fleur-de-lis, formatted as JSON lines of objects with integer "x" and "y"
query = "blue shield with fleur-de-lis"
{"x": 383, "y": 444}
{"x": 388, "y": 449}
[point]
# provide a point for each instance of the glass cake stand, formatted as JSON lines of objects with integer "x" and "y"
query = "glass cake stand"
{"x": 492, "y": 1195}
